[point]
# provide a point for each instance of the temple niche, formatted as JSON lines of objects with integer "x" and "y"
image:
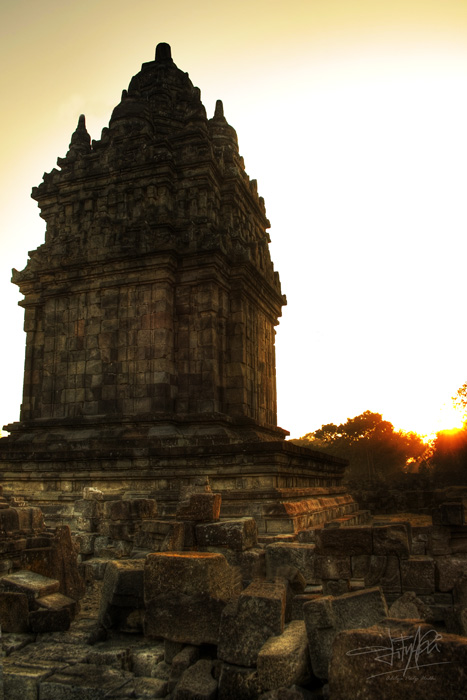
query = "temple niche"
{"x": 150, "y": 314}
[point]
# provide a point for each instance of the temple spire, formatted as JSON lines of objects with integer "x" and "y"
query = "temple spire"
{"x": 163, "y": 52}
{"x": 219, "y": 111}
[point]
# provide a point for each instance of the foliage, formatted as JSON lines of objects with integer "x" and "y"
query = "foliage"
{"x": 460, "y": 399}
{"x": 449, "y": 458}
{"x": 374, "y": 449}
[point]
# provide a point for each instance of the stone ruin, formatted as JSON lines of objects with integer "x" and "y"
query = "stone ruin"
{"x": 150, "y": 315}
{"x": 159, "y": 538}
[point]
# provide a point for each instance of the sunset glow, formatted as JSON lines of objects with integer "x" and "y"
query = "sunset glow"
{"x": 350, "y": 115}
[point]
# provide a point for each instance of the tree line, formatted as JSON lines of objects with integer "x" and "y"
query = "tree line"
{"x": 378, "y": 453}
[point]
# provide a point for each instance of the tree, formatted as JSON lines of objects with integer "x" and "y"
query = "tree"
{"x": 374, "y": 449}
{"x": 460, "y": 399}
{"x": 449, "y": 458}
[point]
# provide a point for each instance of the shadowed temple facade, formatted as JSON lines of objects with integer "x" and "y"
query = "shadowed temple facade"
{"x": 150, "y": 314}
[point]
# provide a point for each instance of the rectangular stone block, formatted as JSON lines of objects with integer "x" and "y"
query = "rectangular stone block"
{"x": 237, "y": 682}
{"x": 449, "y": 514}
{"x": 14, "y": 612}
{"x": 332, "y": 567}
{"x": 344, "y": 541}
{"x": 239, "y": 534}
{"x": 381, "y": 571}
{"x": 391, "y": 539}
{"x": 418, "y": 574}
{"x": 300, "y": 556}
{"x": 449, "y": 571}
{"x": 185, "y": 595}
{"x": 123, "y": 585}
{"x": 83, "y": 682}
{"x": 22, "y": 681}
{"x": 201, "y": 507}
{"x": 439, "y": 538}
{"x": 326, "y": 616}
{"x": 284, "y": 660}
{"x": 31, "y": 584}
{"x": 257, "y": 614}
{"x": 49, "y": 620}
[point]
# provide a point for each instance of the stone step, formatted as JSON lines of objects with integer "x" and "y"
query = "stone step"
{"x": 56, "y": 602}
{"x": 270, "y": 539}
{"x": 360, "y": 517}
{"x": 28, "y": 582}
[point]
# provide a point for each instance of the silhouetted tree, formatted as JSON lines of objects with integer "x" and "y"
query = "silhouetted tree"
{"x": 374, "y": 449}
{"x": 449, "y": 458}
{"x": 460, "y": 398}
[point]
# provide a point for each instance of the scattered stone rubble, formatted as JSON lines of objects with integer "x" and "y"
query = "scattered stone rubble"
{"x": 197, "y": 608}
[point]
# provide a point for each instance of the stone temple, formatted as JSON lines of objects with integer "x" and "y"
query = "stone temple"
{"x": 150, "y": 314}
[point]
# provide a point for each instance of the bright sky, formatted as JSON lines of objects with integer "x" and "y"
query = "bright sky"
{"x": 352, "y": 117}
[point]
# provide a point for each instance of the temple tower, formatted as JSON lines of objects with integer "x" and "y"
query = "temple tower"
{"x": 150, "y": 313}
{"x": 154, "y": 296}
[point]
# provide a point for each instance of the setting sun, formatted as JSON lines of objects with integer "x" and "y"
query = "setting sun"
{"x": 448, "y": 420}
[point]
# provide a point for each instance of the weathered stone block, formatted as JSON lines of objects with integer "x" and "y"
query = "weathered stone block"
{"x": 187, "y": 572}
{"x": 391, "y": 539}
{"x": 449, "y": 571}
{"x": 58, "y": 601}
{"x": 237, "y": 534}
{"x": 91, "y": 493}
{"x": 144, "y": 660}
{"x": 300, "y": 556}
{"x": 171, "y": 649}
{"x": 332, "y": 567}
{"x": 201, "y": 507}
{"x": 88, "y": 508}
{"x": 82, "y": 682}
{"x": 449, "y": 514}
{"x": 105, "y": 548}
{"x": 110, "y": 654}
{"x": 251, "y": 563}
{"x": 185, "y": 594}
{"x": 185, "y": 658}
{"x": 418, "y": 574}
{"x": 336, "y": 588}
{"x": 144, "y": 688}
{"x": 14, "y": 612}
{"x": 21, "y": 681}
{"x": 299, "y": 601}
{"x": 130, "y": 509}
{"x": 250, "y": 620}
{"x": 31, "y": 584}
{"x": 115, "y": 530}
{"x": 345, "y": 541}
{"x": 85, "y": 542}
{"x": 123, "y": 587}
{"x": 326, "y": 616}
{"x": 238, "y": 683}
{"x": 408, "y": 606}
{"x": 9, "y": 520}
{"x": 197, "y": 683}
{"x": 381, "y": 571}
{"x": 438, "y": 544}
{"x": 49, "y": 620}
{"x": 284, "y": 660}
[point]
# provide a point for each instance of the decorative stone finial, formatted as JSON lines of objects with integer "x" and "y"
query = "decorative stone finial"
{"x": 80, "y": 141}
{"x": 219, "y": 111}
{"x": 163, "y": 52}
